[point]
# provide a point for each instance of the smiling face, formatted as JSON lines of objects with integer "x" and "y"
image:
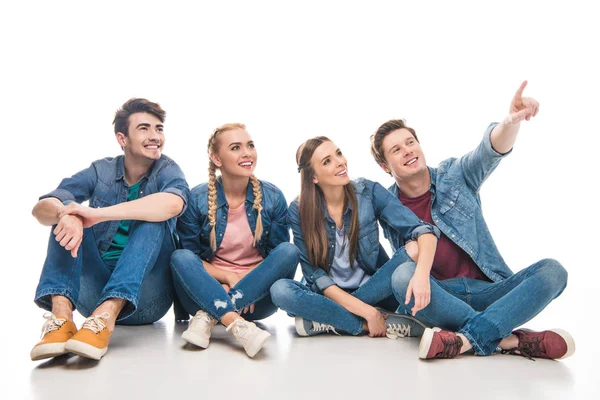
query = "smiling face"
{"x": 403, "y": 154}
{"x": 235, "y": 154}
{"x": 329, "y": 165}
{"x": 145, "y": 138}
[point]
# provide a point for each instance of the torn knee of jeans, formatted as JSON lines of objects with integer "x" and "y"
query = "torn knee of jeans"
{"x": 220, "y": 304}
{"x": 235, "y": 295}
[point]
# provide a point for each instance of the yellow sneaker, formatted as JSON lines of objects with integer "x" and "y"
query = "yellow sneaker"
{"x": 92, "y": 339}
{"x": 55, "y": 333}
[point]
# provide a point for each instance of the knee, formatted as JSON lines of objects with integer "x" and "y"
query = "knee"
{"x": 281, "y": 292}
{"x": 181, "y": 258}
{"x": 402, "y": 276}
{"x": 554, "y": 273}
{"x": 288, "y": 252}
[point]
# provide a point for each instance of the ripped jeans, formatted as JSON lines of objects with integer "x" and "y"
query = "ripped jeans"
{"x": 197, "y": 290}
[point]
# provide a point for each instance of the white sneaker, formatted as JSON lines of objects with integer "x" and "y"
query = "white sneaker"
{"x": 249, "y": 335}
{"x": 199, "y": 327}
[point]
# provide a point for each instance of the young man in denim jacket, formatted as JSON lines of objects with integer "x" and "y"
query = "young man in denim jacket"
{"x": 110, "y": 260}
{"x": 470, "y": 292}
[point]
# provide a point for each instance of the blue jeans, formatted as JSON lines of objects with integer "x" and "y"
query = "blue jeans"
{"x": 298, "y": 300}
{"x": 486, "y": 312}
{"x": 141, "y": 275}
{"x": 198, "y": 290}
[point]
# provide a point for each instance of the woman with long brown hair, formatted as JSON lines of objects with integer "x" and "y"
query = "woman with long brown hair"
{"x": 347, "y": 272}
{"x": 235, "y": 240}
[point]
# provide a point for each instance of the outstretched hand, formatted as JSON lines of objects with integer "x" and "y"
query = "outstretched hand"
{"x": 521, "y": 108}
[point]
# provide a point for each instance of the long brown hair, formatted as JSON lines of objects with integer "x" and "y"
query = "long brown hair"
{"x": 213, "y": 147}
{"x": 311, "y": 208}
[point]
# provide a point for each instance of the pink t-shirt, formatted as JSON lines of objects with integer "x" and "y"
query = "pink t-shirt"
{"x": 237, "y": 252}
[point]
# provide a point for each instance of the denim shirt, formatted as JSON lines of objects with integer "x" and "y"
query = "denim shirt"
{"x": 194, "y": 227}
{"x": 374, "y": 204}
{"x": 456, "y": 206}
{"x": 103, "y": 184}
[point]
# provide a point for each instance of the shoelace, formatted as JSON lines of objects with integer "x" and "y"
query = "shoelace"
{"x": 395, "y": 331}
{"x": 451, "y": 347}
{"x": 52, "y": 323}
{"x": 318, "y": 327}
{"x": 95, "y": 322}
{"x": 526, "y": 348}
{"x": 199, "y": 320}
{"x": 241, "y": 330}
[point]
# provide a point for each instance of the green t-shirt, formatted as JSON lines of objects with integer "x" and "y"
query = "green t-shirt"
{"x": 122, "y": 236}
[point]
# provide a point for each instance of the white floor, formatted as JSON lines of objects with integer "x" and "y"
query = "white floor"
{"x": 154, "y": 362}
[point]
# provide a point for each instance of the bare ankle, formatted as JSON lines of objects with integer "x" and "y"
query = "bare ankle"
{"x": 62, "y": 307}
{"x": 112, "y": 308}
{"x": 509, "y": 342}
{"x": 228, "y": 318}
{"x": 466, "y": 344}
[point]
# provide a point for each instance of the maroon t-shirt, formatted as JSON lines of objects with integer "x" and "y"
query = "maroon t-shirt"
{"x": 450, "y": 260}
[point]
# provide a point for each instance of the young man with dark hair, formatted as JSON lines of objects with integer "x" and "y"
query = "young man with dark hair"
{"x": 110, "y": 260}
{"x": 469, "y": 292}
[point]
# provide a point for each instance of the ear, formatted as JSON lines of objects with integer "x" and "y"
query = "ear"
{"x": 315, "y": 180}
{"x": 121, "y": 139}
{"x": 216, "y": 160}
{"x": 385, "y": 168}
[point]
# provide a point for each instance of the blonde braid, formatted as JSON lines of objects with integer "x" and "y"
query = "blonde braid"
{"x": 258, "y": 207}
{"x": 212, "y": 203}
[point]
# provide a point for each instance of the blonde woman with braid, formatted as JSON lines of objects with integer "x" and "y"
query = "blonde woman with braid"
{"x": 235, "y": 240}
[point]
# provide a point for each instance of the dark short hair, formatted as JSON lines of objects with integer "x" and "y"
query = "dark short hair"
{"x": 132, "y": 106}
{"x": 384, "y": 130}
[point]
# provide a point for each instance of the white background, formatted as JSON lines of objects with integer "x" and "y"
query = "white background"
{"x": 291, "y": 72}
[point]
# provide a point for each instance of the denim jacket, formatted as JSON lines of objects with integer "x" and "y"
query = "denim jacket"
{"x": 456, "y": 206}
{"x": 374, "y": 204}
{"x": 103, "y": 184}
{"x": 194, "y": 227}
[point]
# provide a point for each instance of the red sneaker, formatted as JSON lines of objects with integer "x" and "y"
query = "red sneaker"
{"x": 437, "y": 343}
{"x": 555, "y": 344}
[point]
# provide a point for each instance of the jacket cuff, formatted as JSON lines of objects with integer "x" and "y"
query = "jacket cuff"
{"x": 324, "y": 282}
{"x": 425, "y": 228}
{"x": 63, "y": 195}
{"x": 487, "y": 140}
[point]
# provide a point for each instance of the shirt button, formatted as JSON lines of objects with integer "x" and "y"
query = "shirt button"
{"x": 451, "y": 203}
{"x": 437, "y": 220}
{"x": 453, "y": 235}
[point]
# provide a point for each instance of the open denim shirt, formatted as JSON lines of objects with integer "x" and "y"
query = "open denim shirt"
{"x": 375, "y": 203}
{"x": 194, "y": 227}
{"x": 103, "y": 184}
{"x": 456, "y": 206}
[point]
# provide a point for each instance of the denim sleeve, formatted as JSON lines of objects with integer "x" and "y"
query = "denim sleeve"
{"x": 171, "y": 180}
{"x": 479, "y": 164}
{"x": 316, "y": 278}
{"x": 78, "y": 188}
{"x": 279, "y": 230}
{"x": 189, "y": 225}
{"x": 399, "y": 217}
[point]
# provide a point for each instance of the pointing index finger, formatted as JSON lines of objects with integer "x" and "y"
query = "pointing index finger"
{"x": 519, "y": 92}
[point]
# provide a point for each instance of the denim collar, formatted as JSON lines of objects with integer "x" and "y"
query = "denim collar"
{"x": 222, "y": 200}
{"x": 358, "y": 187}
{"x": 121, "y": 169}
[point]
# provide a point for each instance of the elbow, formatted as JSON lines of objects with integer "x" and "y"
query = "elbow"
{"x": 175, "y": 207}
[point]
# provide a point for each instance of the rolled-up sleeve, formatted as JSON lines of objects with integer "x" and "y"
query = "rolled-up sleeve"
{"x": 399, "y": 217}
{"x": 316, "y": 278}
{"x": 77, "y": 188}
{"x": 189, "y": 225}
{"x": 172, "y": 180}
{"x": 279, "y": 230}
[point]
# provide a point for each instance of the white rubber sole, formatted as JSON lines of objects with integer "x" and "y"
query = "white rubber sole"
{"x": 47, "y": 350}
{"x": 195, "y": 339}
{"x": 300, "y": 327}
{"x": 568, "y": 339}
{"x": 85, "y": 350}
{"x": 258, "y": 343}
{"x": 426, "y": 340}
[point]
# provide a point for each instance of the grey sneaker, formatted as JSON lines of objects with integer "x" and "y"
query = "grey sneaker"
{"x": 249, "y": 335}
{"x": 199, "y": 329}
{"x": 402, "y": 325}
{"x": 305, "y": 327}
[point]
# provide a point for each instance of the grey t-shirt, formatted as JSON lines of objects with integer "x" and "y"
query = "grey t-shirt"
{"x": 341, "y": 273}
